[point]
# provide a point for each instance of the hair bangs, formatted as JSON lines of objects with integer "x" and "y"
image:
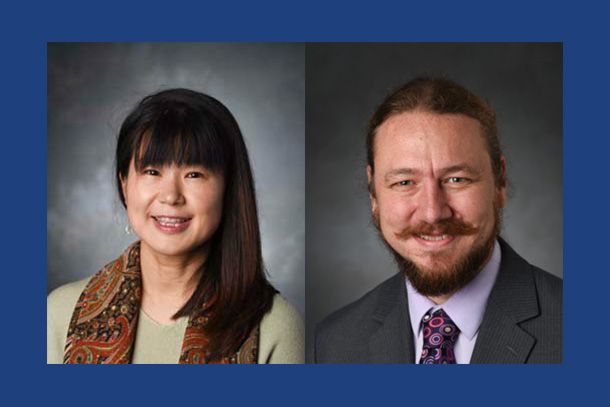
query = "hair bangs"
{"x": 177, "y": 139}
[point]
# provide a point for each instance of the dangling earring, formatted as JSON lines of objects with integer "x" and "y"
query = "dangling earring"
{"x": 128, "y": 229}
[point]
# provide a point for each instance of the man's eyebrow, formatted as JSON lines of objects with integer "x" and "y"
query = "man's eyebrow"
{"x": 460, "y": 168}
{"x": 400, "y": 171}
{"x": 448, "y": 170}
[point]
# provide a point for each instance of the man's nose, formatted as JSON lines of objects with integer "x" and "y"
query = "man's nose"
{"x": 170, "y": 192}
{"x": 432, "y": 204}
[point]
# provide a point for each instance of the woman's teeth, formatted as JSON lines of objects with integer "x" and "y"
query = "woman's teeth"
{"x": 170, "y": 221}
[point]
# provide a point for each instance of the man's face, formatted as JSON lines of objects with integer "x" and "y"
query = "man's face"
{"x": 435, "y": 200}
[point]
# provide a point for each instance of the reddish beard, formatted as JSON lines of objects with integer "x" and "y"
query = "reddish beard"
{"x": 446, "y": 278}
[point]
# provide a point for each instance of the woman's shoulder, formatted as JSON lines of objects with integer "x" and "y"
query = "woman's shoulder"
{"x": 60, "y": 306}
{"x": 282, "y": 334}
{"x": 64, "y": 297}
{"x": 281, "y": 313}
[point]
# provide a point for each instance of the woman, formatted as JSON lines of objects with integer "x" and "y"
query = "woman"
{"x": 192, "y": 289}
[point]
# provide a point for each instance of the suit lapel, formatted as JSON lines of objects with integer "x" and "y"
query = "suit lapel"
{"x": 392, "y": 341}
{"x": 512, "y": 301}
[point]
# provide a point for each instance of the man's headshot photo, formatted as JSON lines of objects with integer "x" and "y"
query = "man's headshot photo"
{"x": 443, "y": 243}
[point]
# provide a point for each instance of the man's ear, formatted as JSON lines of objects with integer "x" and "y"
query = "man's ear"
{"x": 503, "y": 185}
{"x": 371, "y": 182}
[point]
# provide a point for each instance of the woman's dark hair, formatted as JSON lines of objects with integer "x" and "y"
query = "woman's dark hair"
{"x": 181, "y": 126}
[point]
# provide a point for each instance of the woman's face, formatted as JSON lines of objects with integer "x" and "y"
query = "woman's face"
{"x": 174, "y": 209}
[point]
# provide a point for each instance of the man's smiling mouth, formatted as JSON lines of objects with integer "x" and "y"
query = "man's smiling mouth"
{"x": 433, "y": 238}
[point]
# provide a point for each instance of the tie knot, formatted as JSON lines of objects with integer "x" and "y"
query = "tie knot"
{"x": 440, "y": 333}
{"x": 439, "y": 323}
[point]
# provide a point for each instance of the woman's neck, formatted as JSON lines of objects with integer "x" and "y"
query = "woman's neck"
{"x": 168, "y": 281}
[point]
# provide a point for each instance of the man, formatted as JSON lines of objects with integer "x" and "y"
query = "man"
{"x": 437, "y": 185}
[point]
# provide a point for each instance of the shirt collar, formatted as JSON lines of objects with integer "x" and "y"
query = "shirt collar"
{"x": 467, "y": 306}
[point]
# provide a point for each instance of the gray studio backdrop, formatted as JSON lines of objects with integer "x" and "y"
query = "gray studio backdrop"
{"x": 345, "y": 83}
{"x": 90, "y": 89}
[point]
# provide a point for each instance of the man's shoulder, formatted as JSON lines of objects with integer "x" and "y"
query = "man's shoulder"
{"x": 342, "y": 336}
{"x": 533, "y": 299}
{"x": 546, "y": 284}
{"x": 550, "y": 290}
{"x": 363, "y": 308}
{"x": 546, "y": 281}
{"x": 547, "y": 325}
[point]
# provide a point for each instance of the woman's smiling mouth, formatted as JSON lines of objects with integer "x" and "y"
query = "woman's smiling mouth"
{"x": 171, "y": 224}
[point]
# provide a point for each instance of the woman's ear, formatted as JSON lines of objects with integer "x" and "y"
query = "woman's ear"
{"x": 123, "y": 187}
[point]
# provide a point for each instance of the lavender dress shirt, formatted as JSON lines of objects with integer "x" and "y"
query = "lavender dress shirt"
{"x": 466, "y": 308}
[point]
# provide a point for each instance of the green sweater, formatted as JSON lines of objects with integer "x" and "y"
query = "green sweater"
{"x": 281, "y": 332}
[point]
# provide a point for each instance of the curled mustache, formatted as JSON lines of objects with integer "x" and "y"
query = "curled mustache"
{"x": 443, "y": 227}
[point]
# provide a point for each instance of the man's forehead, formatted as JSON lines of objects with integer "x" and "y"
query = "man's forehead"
{"x": 412, "y": 138}
{"x": 422, "y": 121}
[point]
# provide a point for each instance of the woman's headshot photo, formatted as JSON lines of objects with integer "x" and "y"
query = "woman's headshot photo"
{"x": 171, "y": 235}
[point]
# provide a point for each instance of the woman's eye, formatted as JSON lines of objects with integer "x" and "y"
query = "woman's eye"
{"x": 194, "y": 175}
{"x": 151, "y": 172}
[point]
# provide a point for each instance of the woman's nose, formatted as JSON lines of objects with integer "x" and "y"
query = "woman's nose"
{"x": 170, "y": 192}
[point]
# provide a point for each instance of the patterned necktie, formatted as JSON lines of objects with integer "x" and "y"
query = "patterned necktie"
{"x": 440, "y": 333}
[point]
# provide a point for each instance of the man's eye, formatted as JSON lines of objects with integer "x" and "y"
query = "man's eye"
{"x": 404, "y": 183}
{"x": 456, "y": 180}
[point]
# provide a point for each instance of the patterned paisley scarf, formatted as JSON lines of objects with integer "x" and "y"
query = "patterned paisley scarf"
{"x": 103, "y": 325}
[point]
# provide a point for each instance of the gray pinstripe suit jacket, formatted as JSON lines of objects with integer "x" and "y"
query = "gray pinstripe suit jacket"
{"x": 522, "y": 322}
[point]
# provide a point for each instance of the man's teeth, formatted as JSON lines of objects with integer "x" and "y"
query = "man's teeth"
{"x": 170, "y": 221}
{"x": 434, "y": 238}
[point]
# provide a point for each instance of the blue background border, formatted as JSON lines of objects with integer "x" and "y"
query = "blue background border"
{"x": 26, "y": 30}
